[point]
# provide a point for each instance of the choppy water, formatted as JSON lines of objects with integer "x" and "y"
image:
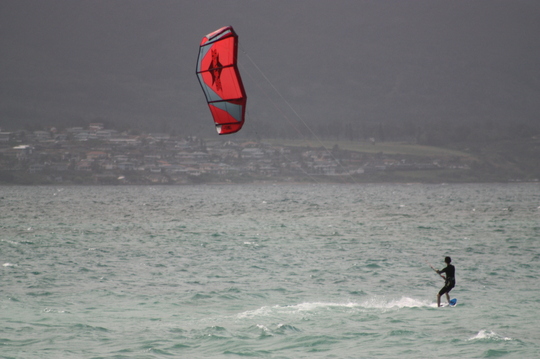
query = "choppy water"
{"x": 287, "y": 271}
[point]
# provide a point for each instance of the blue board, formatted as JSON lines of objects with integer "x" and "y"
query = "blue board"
{"x": 453, "y": 302}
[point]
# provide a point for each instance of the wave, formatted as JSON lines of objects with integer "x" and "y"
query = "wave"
{"x": 403, "y": 302}
{"x": 489, "y": 335}
{"x": 312, "y": 307}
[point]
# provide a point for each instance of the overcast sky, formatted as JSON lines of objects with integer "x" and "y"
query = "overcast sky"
{"x": 360, "y": 60}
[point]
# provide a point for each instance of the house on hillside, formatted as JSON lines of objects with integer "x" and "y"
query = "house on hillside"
{"x": 97, "y": 126}
{"x": 5, "y": 137}
{"x": 42, "y": 135}
{"x": 36, "y": 167}
{"x": 126, "y": 166}
{"x": 84, "y": 165}
{"x": 252, "y": 153}
{"x": 96, "y": 155}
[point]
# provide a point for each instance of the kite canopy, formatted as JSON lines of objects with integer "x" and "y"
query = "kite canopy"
{"x": 220, "y": 79}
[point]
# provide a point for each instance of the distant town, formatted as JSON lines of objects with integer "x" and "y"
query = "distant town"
{"x": 98, "y": 155}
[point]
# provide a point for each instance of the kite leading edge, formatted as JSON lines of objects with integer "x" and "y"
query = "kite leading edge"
{"x": 220, "y": 80}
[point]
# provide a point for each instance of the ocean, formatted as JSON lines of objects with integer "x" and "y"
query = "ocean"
{"x": 269, "y": 271}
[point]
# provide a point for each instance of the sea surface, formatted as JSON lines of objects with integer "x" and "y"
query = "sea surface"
{"x": 269, "y": 271}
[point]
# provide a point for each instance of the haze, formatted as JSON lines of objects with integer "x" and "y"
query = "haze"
{"x": 131, "y": 64}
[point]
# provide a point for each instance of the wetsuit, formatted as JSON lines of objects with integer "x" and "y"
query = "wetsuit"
{"x": 450, "y": 282}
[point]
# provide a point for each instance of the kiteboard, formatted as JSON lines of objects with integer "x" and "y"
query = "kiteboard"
{"x": 452, "y": 303}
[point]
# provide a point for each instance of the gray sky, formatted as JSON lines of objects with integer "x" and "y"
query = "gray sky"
{"x": 330, "y": 60}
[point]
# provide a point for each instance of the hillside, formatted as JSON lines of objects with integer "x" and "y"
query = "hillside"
{"x": 502, "y": 161}
{"x": 99, "y": 156}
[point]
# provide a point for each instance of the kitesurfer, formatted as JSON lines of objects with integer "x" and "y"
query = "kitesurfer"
{"x": 449, "y": 280}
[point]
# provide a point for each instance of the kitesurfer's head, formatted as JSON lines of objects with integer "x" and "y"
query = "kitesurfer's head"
{"x": 447, "y": 260}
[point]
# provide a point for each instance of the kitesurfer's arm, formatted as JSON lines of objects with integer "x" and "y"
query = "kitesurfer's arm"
{"x": 439, "y": 272}
{"x": 442, "y": 276}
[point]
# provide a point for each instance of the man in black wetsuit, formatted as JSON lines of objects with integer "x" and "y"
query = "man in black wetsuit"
{"x": 449, "y": 280}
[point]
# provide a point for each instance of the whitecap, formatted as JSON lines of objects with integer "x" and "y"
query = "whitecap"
{"x": 306, "y": 307}
{"x": 288, "y": 309}
{"x": 403, "y": 302}
{"x": 263, "y": 328}
{"x": 8, "y": 241}
{"x": 263, "y": 311}
{"x": 50, "y": 310}
{"x": 310, "y": 306}
{"x": 488, "y": 334}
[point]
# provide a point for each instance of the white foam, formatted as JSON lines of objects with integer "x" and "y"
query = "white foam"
{"x": 488, "y": 334}
{"x": 403, "y": 302}
{"x": 263, "y": 311}
{"x": 288, "y": 309}
{"x": 8, "y": 241}
{"x": 306, "y": 307}
{"x": 263, "y": 328}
